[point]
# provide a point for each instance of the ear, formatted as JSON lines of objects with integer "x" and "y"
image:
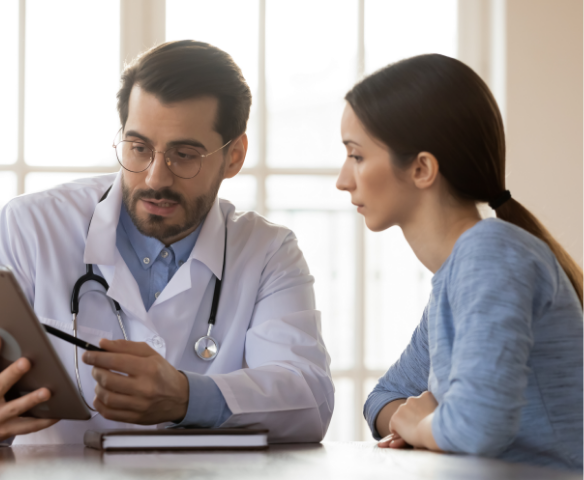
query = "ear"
{"x": 236, "y": 156}
{"x": 424, "y": 170}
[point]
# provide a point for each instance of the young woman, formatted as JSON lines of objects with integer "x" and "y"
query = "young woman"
{"x": 495, "y": 366}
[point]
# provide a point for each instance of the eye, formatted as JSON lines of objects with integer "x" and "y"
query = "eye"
{"x": 139, "y": 148}
{"x": 357, "y": 158}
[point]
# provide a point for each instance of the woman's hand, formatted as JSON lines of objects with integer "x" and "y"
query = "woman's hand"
{"x": 393, "y": 440}
{"x": 412, "y": 423}
{"x": 11, "y": 423}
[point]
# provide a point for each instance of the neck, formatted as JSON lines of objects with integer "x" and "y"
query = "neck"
{"x": 435, "y": 228}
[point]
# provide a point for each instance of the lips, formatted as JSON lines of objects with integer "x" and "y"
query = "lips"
{"x": 163, "y": 208}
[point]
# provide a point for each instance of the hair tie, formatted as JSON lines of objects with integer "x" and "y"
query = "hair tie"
{"x": 500, "y": 200}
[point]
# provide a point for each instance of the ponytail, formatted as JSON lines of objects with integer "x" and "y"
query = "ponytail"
{"x": 513, "y": 212}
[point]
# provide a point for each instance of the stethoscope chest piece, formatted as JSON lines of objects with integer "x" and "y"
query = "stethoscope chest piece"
{"x": 206, "y": 347}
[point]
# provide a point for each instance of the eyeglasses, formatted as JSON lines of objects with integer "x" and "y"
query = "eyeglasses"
{"x": 184, "y": 161}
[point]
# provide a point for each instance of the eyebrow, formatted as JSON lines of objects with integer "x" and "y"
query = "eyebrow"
{"x": 186, "y": 141}
{"x": 346, "y": 142}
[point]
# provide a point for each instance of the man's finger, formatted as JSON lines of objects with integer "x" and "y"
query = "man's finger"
{"x": 139, "y": 349}
{"x": 17, "y": 407}
{"x": 126, "y": 416}
{"x": 117, "y": 401}
{"x": 120, "y": 362}
{"x": 24, "y": 425}
{"x": 14, "y": 372}
{"x": 114, "y": 382}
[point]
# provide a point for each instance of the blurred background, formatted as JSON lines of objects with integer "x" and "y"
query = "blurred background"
{"x": 61, "y": 61}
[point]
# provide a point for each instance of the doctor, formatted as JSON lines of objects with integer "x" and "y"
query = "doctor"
{"x": 158, "y": 239}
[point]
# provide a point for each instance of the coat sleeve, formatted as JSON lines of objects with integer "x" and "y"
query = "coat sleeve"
{"x": 16, "y": 251}
{"x": 287, "y": 387}
{"x": 408, "y": 377}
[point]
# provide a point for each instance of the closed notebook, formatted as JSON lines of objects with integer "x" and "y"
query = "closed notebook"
{"x": 178, "y": 439}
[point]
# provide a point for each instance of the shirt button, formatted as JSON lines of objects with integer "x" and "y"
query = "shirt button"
{"x": 157, "y": 342}
{"x": 156, "y": 294}
{"x": 146, "y": 260}
{"x": 164, "y": 253}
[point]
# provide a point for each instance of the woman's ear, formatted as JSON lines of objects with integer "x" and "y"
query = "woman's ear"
{"x": 424, "y": 170}
{"x": 236, "y": 156}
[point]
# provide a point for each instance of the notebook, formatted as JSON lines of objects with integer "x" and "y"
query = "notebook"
{"x": 178, "y": 439}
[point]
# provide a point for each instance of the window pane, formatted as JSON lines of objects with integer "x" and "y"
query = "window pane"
{"x": 368, "y": 386}
{"x": 7, "y": 187}
{"x": 342, "y": 428}
{"x": 311, "y": 60}
{"x": 311, "y": 207}
{"x": 240, "y": 190}
{"x": 9, "y": 80}
{"x": 397, "y": 288}
{"x": 72, "y": 77}
{"x": 231, "y": 25}
{"x": 395, "y": 29}
{"x": 37, "y": 181}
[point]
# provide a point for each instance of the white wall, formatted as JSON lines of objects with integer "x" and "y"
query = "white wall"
{"x": 544, "y": 113}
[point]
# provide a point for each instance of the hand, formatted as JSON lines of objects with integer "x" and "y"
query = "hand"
{"x": 11, "y": 423}
{"x": 393, "y": 440}
{"x": 152, "y": 391}
{"x": 412, "y": 421}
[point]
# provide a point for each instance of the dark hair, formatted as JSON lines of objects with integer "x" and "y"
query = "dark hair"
{"x": 176, "y": 71}
{"x": 436, "y": 104}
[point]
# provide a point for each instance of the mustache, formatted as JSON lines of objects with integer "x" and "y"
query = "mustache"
{"x": 162, "y": 194}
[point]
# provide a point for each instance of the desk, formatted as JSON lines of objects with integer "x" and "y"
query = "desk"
{"x": 333, "y": 460}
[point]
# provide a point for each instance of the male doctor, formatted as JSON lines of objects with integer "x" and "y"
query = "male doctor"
{"x": 158, "y": 238}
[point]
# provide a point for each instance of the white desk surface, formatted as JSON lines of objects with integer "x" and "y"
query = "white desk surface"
{"x": 332, "y": 460}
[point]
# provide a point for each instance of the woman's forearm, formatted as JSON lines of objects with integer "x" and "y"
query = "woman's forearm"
{"x": 384, "y": 416}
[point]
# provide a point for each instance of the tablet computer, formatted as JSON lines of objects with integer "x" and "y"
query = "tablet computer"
{"x": 24, "y": 336}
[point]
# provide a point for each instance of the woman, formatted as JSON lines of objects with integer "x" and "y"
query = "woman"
{"x": 495, "y": 366}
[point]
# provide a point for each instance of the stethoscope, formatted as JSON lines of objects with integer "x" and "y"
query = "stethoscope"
{"x": 205, "y": 347}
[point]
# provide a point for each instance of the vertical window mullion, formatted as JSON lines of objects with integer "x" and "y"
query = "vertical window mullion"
{"x": 261, "y": 170}
{"x": 20, "y": 166}
{"x": 360, "y": 261}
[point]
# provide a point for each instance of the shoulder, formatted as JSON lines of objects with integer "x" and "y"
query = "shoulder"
{"x": 502, "y": 254}
{"x": 251, "y": 226}
{"x": 78, "y": 196}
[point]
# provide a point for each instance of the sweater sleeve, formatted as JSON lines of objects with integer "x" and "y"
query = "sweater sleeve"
{"x": 407, "y": 377}
{"x": 491, "y": 287}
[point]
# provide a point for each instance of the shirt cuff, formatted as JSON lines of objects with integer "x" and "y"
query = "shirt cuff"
{"x": 374, "y": 404}
{"x": 7, "y": 442}
{"x": 207, "y": 407}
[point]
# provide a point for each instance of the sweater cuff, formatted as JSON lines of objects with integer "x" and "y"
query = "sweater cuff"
{"x": 207, "y": 407}
{"x": 374, "y": 404}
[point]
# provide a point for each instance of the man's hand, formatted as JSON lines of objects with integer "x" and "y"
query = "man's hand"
{"x": 412, "y": 423}
{"x": 152, "y": 391}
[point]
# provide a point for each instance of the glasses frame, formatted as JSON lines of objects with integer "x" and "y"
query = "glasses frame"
{"x": 154, "y": 152}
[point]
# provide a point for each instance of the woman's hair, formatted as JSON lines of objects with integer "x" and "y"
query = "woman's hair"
{"x": 436, "y": 104}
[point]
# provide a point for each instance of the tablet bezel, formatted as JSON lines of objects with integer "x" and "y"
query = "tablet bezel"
{"x": 19, "y": 319}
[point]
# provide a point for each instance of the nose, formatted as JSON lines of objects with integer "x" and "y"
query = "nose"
{"x": 346, "y": 180}
{"x": 159, "y": 175}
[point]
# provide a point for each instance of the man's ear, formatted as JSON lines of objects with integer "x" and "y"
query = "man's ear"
{"x": 236, "y": 156}
{"x": 424, "y": 170}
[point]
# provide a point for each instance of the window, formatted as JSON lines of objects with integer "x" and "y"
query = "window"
{"x": 300, "y": 57}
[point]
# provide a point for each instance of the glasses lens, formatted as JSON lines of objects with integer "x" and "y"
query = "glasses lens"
{"x": 133, "y": 156}
{"x": 184, "y": 161}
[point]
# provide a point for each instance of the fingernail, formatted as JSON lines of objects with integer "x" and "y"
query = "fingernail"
{"x": 43, "y": 395}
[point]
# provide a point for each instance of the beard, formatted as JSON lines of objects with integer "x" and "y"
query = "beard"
{"x": 153, "y": 225}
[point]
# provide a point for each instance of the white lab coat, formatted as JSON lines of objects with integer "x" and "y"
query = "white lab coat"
{"x": 272, "y": 366}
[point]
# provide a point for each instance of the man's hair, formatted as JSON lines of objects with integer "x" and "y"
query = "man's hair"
{"x": 186, "y": 69}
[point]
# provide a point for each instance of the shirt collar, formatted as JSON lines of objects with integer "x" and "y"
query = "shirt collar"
{"x": 100, "y": 247}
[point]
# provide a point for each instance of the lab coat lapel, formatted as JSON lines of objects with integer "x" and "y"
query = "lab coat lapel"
{"x": 208, "y": 252}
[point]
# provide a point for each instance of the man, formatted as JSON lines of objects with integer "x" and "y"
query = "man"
{"x": 158, "y": 238}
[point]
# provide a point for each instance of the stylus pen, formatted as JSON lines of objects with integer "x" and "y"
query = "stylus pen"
{"x": 71, "y": 339}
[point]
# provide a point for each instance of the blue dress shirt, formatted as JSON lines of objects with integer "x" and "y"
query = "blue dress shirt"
{"x": 153, "y": 265}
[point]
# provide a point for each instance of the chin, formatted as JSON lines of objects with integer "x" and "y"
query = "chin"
{"x": 378, "y": 225}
